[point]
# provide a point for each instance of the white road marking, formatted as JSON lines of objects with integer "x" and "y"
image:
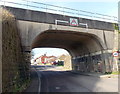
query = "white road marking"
{"x": 57, "y": 87}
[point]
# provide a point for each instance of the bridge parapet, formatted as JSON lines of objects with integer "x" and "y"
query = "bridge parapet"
{"x": 44, "y": 17}
{"x": 38, "y": 6}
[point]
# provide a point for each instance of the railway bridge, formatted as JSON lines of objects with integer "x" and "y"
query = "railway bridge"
{"x": 91, "y": 43}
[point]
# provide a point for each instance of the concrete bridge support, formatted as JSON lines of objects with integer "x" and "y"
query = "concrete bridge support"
{"x": 27, "y": 53}
{"x": 88, "y": 53}
{"x": 90, "y": 49}
{"x": 96, "y": 50}
{"x": 116, "y": 48}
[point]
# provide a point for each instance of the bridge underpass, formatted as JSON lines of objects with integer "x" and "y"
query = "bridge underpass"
{"x": 87, "y": 52}
{"x": 83, "y": 44}
{"x": 87, "y": 46}
{"x": 81, "y": 47}
{"x": 94, "y": 43}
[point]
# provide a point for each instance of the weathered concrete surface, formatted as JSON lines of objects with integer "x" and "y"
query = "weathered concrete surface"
{"x": 78, "y": 41}
{"x": 35, "y": 16}
{"x": 30, "y": 30}
{"x": 88, "y": 47}
{"x": 115, "y": 64}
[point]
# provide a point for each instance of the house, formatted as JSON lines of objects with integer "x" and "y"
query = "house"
{"x": 44, "y": 59}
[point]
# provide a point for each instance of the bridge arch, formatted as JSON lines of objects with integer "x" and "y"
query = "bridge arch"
{"x": 68, "y": 40}
{"x": 82, "y": 46}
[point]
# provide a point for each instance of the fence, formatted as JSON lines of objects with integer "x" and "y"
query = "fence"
{"x": 37, "y": 6}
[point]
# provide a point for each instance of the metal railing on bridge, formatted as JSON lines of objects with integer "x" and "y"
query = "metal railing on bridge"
{"x": 37, "y": 6}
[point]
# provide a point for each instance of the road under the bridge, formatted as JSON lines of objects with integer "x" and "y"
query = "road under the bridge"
{"x": 54, "y": 79}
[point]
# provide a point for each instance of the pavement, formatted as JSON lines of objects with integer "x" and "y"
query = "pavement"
{"x": 100, "y": 75}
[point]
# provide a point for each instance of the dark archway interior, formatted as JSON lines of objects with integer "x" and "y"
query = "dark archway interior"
{"x": 76, "y": 43}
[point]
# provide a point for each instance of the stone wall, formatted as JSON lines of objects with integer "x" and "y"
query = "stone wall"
{"x": 15, "y": 70}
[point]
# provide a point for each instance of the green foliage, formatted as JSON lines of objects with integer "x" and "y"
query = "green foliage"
{"x": 116, "y": 73}
{"x": 15, "y": 68}
{"x": 116, "y": 27}
{"x": 22, "y": 87}
{"x": 60, "y": 63}
{"x": 108, "y": 72}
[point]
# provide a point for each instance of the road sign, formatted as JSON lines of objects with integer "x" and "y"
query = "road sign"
{"x": 73, "y": 22}
{"x": 115, "y": 54}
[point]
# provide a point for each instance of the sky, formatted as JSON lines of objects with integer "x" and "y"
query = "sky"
{"x": 49, "y": 51}
{"x": 106, "y": 7}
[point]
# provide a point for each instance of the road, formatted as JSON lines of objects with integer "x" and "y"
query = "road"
{"x": 54, "y": 80}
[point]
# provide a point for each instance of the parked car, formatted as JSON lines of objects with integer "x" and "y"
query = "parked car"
{"x": 54, "y": 63}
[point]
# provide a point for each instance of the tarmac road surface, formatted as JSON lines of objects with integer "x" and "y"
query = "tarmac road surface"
{"x": 54, "y": 80}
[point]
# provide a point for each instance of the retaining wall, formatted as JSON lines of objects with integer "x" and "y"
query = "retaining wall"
{"x": 15, "y": 70}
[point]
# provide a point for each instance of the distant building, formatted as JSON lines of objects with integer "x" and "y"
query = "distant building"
{"x": 67, "y": 61}
{"x": 44, "y": 59}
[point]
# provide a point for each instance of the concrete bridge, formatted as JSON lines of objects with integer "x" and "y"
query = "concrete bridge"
{"x": 89, "y": 42}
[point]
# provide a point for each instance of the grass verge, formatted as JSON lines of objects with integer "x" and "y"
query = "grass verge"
{"x": 21, "y": 88}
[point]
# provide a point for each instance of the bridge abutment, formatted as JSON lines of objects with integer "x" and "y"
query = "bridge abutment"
{"x": 15, "y": 60}
{"x": 104, "y": 63}
{"x": 116, "y": 48}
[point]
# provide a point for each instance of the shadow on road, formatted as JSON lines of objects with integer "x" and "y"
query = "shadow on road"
{"x": 55, "y": 80}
